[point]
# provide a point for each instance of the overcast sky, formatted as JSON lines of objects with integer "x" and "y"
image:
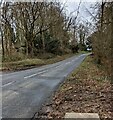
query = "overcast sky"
{"x": 72, "y": 5}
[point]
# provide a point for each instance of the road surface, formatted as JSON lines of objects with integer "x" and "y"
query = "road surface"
{"x": 24, "y": 92}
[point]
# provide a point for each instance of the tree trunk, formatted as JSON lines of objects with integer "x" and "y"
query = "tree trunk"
{"x": 43, "y": 42}
{"x": 111, "y": 43}
{"x": 3, "y": 51}
{"x": 26, "y": 48}
{"x": 32, "y": 49}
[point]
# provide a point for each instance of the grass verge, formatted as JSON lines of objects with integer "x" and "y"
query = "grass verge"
{"x": 31, "y": 63}
{"x": 87, "y": 90}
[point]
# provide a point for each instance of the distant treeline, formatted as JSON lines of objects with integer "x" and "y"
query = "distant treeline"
{"x": 30, "y": 28}
{"x": 39, "y": 27}
{"x": 33, "y": 27}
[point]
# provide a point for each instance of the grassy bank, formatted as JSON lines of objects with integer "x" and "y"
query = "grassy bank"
{"x": 31, "y": 63}
{"x": 87, "y": 90}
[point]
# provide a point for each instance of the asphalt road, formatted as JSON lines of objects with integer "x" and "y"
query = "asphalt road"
{"x": 24, "y": 92}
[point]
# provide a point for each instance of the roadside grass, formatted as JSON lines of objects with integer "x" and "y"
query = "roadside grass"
{"x": 87, "y": 90}
{"x": 31, "y": 63}
{"x": 91, "y": 71}
{"x": 16, "y": 65}
{"x": 83, "y": 52}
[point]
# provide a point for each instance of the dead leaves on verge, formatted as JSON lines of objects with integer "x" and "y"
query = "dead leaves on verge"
{"x": 82, "y": 93}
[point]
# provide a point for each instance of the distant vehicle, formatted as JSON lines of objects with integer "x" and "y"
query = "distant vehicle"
{"x": 89, "y": 49}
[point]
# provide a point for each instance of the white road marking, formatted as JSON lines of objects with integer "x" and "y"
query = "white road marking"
{"x": 73, "y": 60}
{"x": 58, "y": 66}
{"x": 35, "y": 74}
{"x": 68, "y": 63}
{"x": 30, "y": 76}
{"x": 42, "y": 72}
{"x": 8, "y": 84}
